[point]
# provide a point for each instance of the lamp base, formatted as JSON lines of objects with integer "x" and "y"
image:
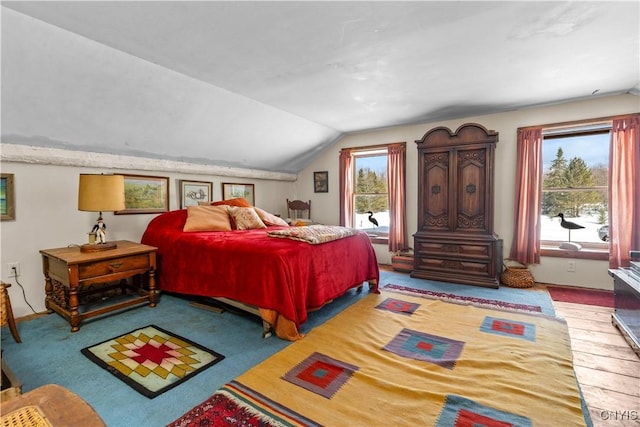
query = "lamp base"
{"x": 98, "y": 247}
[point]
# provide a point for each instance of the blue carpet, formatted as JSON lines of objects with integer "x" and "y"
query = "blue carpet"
{"x": 50, "y": 353}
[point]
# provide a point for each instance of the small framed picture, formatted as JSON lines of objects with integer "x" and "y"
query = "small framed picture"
{"x": 321, "y": 182}
{"x": 7, "y": 198}
{"x": 231, "y": 191}
{"x": 193, "y": 192}
{"x": 145, "y": 194}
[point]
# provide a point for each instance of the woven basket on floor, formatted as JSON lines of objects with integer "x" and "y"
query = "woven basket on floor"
{"x": 517, "y": 276}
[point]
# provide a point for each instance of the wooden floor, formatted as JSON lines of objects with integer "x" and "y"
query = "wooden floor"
{"x": 608, "y": 370}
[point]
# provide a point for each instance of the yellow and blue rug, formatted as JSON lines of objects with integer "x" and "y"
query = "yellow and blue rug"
{"x": 404, "y": 359}
{"x": 152, "y": 360}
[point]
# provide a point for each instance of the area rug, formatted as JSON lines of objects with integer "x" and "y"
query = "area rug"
{"x": 152, "y": 360}
{"x": 398, "y": 359}
{"x": 445, "y": 296}
{"x": 574, "y": 295}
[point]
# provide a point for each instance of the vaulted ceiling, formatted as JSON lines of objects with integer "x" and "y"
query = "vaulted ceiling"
{"x": 267, "y": 85}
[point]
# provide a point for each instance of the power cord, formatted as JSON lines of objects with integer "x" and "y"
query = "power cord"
{"x": 24, "y": 295}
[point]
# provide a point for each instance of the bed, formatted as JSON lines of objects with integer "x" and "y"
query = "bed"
{"x": 282, "y": 278}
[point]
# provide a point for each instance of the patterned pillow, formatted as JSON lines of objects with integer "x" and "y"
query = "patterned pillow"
{"x": 270, "y": 219}
{"x": 207, "y": 218}
{"x": 245, "y": 218}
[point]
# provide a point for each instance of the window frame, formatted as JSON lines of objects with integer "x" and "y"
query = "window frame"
{"x": 590, "y": 250}
{"x": 396, "y": 179}
{"x": 377, "y": 151}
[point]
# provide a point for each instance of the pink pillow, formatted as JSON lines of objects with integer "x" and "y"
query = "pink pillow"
{"x": 207, "y": 218}
{"x": 245, "y": 218}
{"x": 270, "y": 219}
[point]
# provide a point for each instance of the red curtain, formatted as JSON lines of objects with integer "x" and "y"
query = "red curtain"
{"x": 346, "y": 187}
{"x": 525, "y": 247}
{"x": 624, "y": 190}
{"x": 397, "y": 190}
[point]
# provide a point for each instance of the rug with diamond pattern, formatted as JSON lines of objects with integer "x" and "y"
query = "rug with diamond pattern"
{"x": 400, "y": 359}
{"x": 152, "y": 360}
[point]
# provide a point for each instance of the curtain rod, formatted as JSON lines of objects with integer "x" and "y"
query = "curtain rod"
{"x": 578, "y": 122}
{"x": 373, "y": 147}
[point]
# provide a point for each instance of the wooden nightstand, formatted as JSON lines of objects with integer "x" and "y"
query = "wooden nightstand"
{"x": 72, "y": 277}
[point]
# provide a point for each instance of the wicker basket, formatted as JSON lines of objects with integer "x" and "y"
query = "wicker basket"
{"x": 28, "y": 416}
{"x": 517, "y": 276}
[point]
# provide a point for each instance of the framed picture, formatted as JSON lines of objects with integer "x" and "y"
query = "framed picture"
{"x": 231, "y": 191}
{"x": 7, "y": 200}
{"x": 145, "y": 194}
{"x": 192, "y": 192}
{"x": 321, "y": 182}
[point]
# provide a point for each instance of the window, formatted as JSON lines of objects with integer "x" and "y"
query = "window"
{"x": 372, "y": 179}
{"x": 371, "y": 194}
{"x": 575, "y": 184}
{"x": 623, "y": 189}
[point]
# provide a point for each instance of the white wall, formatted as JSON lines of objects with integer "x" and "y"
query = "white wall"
{"x": 46, "y": 198}
{"x": 551, "y": 270}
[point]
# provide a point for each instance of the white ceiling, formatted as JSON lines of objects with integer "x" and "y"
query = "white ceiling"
{"x": 329, "y": 68}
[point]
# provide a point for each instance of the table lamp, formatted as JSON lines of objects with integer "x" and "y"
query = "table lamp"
{"x": 100, "y": 193}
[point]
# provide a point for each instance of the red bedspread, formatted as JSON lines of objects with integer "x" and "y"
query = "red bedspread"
{"x": 284, "y": 275}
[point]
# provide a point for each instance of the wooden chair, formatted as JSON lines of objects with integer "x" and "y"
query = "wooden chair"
{"x": 297, "y": 209}
{"x": 6, "y": 313}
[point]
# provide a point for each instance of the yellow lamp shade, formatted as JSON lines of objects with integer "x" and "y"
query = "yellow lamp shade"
{"x": 101, "y": 193}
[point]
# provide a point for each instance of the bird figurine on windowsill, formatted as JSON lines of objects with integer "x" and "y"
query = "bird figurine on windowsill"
{"x": 568, "y": 225}
{"x": 372, "y": 220}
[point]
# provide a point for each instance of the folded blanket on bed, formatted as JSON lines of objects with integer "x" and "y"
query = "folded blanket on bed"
{"x": 314, "y": 234}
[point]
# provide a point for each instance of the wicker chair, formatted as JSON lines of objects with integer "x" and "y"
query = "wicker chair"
{"x": 6, "y": 313}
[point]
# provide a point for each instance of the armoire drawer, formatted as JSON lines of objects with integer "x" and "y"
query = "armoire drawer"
{"x": 452, "y": 249}
{"x": 455, "y": 266}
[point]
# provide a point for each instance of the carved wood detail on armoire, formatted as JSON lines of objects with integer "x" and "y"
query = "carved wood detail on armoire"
{"x": 455, "y": 241}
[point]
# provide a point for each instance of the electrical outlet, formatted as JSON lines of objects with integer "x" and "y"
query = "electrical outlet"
{"x": 14, "y": 269}
{"x": 571, "y": 266}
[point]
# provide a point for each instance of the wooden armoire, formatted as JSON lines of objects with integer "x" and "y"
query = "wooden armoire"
{"x": 455, "y": 240}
